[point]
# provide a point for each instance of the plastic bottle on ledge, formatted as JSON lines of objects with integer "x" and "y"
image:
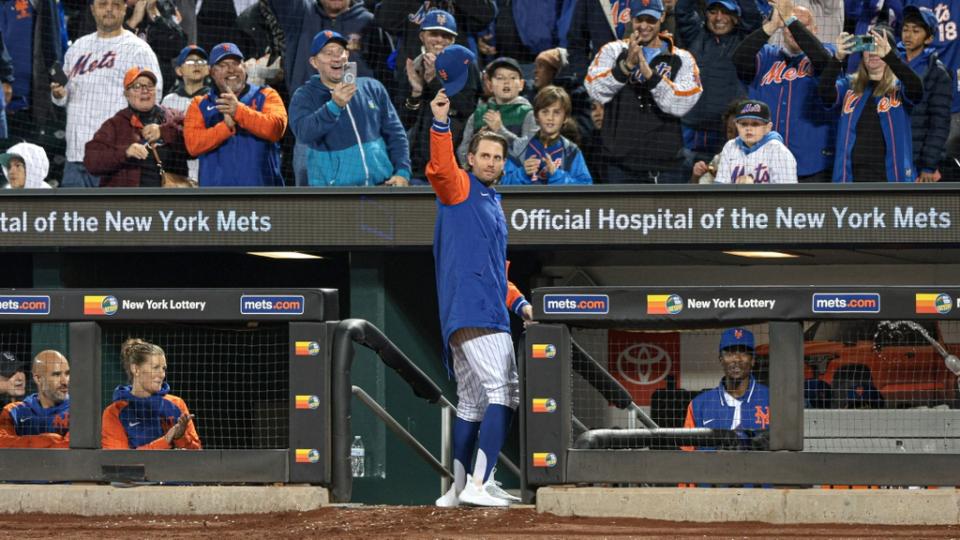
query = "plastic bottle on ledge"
{"x": 357, "y": 457}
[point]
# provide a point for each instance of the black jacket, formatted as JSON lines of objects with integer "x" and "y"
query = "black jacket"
{"x": 714, "y": 55}
{"x": 930, "y": 118}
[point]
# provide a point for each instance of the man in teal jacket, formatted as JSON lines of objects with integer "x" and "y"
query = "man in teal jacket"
{"x": 353, "y": 134}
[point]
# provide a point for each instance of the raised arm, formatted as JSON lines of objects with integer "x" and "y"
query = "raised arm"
{"x": 449, "y": 181}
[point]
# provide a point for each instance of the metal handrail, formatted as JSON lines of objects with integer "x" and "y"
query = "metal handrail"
{"x": 609, "y": 387}
{"x": 364, "y": 333}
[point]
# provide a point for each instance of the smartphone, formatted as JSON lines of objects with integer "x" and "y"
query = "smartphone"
{"x": 863, "y": 43}
{"x": 57, "y": 75}
{"x": 350, "y": 73}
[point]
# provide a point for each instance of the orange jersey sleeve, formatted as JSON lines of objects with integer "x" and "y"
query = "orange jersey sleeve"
{"x": 449, "y": 181}
{"x": 197, "y": 137}
{"x": 190, "y": 439}
{"x": 513, "y": 292}
{"x": 268, "y": 124}
{"x": 112, "y": 434}
{"x": 689, "y": 423}
{"x": 10, "y": 439}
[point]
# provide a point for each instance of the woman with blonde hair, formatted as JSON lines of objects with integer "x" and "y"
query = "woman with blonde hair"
{"x": 144, "y": 414}
{"x": 874, "y": 116}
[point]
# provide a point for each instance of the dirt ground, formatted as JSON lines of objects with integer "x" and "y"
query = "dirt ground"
{"x": 414, "y": 523}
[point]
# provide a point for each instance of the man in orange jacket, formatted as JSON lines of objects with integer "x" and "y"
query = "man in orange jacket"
{"x": 42, "y": 420}
{"x": 235, "y": 129}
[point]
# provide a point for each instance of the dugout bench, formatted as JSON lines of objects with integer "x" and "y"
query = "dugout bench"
{"x": 551, "y": 454}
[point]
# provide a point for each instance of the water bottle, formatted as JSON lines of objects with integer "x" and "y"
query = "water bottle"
{"x": 357, "y": 456}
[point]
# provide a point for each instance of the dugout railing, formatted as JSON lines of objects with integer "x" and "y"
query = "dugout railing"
{"x": 346, "y": 334}
{"x": 300, "y": 319}
{"x": 555, "y": 451}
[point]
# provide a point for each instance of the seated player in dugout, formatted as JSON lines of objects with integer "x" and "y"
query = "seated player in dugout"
{"x": 144, "y": 414}
{"x": 41, "y": 420}
{"x": 739, "y": 403}
{"x": 13, "y": 378}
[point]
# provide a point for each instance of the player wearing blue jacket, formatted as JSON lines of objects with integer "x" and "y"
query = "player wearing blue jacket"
{"x": 784, "y": 78}
{"x": 353, "y": 134}
{"x": 873, "y": 115}
{"x": 470, "y": 251}
{"x": 739, "y": 403}
{"x": 42, "y": 420}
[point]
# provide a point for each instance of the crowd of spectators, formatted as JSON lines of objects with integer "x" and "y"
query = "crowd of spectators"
{"x": 104, "y": 93}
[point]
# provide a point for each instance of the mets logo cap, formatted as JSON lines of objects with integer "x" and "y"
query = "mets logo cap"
{"x": 323, "y": 37}
{"x": 439, "y": 19}
{"x": 736, "y": 337}
{"x": 225, "y": 50}
{"x": 753, "y": 109}
{"x": 651, "y": 8}
{"x": 453, "y": 67}
{"x": 187, "y": 51}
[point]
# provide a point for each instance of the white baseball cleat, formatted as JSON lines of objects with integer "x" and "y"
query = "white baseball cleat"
{"x": 477, "y": 496}
{"x": 493, "y": 488}
{"x": 449, "y": 499}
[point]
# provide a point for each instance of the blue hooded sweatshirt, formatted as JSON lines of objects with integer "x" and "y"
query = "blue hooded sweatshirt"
{"x": 146, "y": 419}
{"x": 30, "y": 418}
{"x": 362, "y": 144}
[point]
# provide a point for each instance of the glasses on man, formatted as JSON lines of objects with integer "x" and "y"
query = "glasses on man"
{"x": 138, "y": 87}
{"x": 198, "y": 62}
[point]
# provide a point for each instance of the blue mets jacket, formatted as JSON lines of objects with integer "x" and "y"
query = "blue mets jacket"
{"x": 716, "y": 409}
{"x": 469, "y": 246}
{"x": 788, "y": 85}
{"x": 27, "y": 424}
{"x": 132, "y": 422}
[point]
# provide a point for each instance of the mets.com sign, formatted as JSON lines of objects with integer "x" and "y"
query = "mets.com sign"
{"x": 384, "y": 218}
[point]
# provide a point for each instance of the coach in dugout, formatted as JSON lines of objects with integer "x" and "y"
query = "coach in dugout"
{"x": 13, "y": 378}
{"x": 235, "y": 129}
{"x": 42, "y": 420}
{"x": 739, "y": 402}
{"x": 144, "y": 414}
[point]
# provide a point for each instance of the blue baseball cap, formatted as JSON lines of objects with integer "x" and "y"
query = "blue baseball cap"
{"x": 438, "y": 19}
{"x": 652, "y": 8}
{"x": 736, "y": 337}
{"x": 453, "y": 68}
{"x": 323, "y": 37}
{"x": 225, "y": 50}
{"x": 925, "y": 15}
{"x": 187, "y": 51}
{"x": 729, "y": 5}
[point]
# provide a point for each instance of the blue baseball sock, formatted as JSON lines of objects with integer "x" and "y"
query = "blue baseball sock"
{"x": 464, "y": 441}
{"x": 493, "y": 432}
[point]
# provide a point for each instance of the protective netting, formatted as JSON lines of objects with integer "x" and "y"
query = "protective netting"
{"x": 676, "y": 378}
{"x": 234, "y": 379}
{"x": 880, "y": 386}
{"x": 633, "y": 105}
{"x": 869, "y": 386}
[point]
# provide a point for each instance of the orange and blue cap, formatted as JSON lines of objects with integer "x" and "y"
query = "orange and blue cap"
{"x": 736, "y": 338}
{"x": 225, "y": 50}
{"x": 324, "y": 37}
{"x": 453, "y": 68}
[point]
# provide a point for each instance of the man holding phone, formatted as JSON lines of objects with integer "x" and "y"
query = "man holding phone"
{"x": 94, "y": 67}
{"x": 352, "y": 134}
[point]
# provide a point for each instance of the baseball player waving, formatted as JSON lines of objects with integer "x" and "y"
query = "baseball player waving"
{"x": 470, "y": 253}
